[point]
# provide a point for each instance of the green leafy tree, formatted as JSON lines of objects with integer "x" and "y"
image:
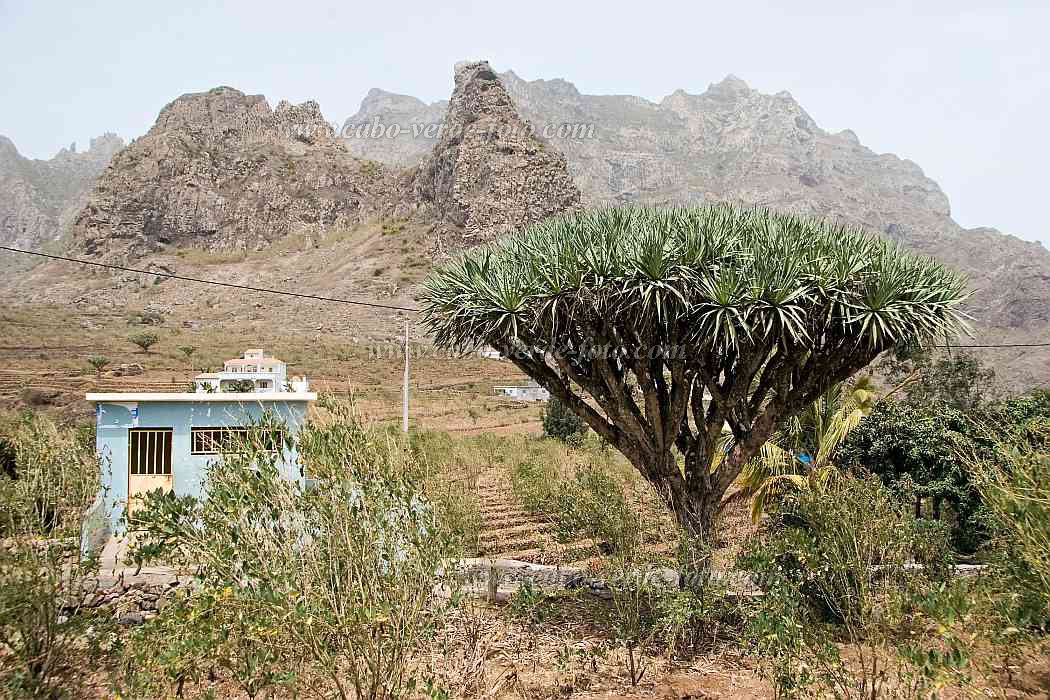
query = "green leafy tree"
{"x": 98, "y": 363}
{"x": 187, "y": 351}
{"x": 144, "y": 340}
{"x": 561, "y": 423}
{"x": 958, "y": 378}
{"x": 917, "y": 449}
{"x": 633, "y": 316}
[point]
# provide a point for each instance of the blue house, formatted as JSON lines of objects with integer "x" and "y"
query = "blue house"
{"x": 147, "y": 441}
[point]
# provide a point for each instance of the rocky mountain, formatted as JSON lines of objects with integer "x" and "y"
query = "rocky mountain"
{"x": 221, "y": 170}
{"x": 488, "y": 173}
{"x": 738, "y": 144}
{"x": 397, "y": 130}
{"x": 39, "y": 198}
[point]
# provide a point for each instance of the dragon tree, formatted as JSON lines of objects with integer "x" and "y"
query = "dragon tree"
{"x": 685, "y": 337}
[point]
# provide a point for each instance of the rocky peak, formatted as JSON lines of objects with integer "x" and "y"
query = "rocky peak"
{"x": 303, "y": 122}
{"x": 38, "y": 198}
{"x": 220, "y": 115}
{"x": 393, "y": 129}
{"x": 106, "y": 145}
{"x": 8, "y": 150}
{"x": 379, "y": 101}
{"x": 100, "y": 152}
{"x": 225, "y": 117}
{"x": 489, "y": 173}
{"x": 221, "y": 170}
{"x": 730, "y": 87}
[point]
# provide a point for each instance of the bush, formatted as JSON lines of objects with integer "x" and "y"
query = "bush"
{"x": 326, "y": 585}
{"x": 41, "y": 596}
{"x": 50, "y": 480}
{"x": 592, "y": 502}
{"x": 98, "y": 363}
{"x": 536, "y": 485}
{"x": 875, "y": 583}
{"x": 239, "y": 386}
{"x": 1018, "y": 495}
{"x": 144, "y": 340}
{"x": 560, "y": 423}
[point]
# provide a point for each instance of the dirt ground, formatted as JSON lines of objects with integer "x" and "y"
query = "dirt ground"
{"x": 484, "y": 651}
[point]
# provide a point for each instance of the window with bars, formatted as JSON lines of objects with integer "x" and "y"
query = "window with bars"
{"x": 149, "y": 451}
{"x": 211, "y": 441}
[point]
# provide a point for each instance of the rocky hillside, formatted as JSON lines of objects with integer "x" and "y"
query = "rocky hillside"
{"x": 735, "y": 143}
{"x": 488, "y": 174}
{"x": 39, "y": 198}
{"x": 223, "y": 171}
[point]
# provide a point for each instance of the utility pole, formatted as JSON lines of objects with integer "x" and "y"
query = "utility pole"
{"x": 404, "y": 403}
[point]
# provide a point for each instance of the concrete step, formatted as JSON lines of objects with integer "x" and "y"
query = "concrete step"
{"x": 492, "y": 535}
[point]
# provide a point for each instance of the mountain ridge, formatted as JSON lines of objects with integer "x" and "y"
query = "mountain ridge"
{"x": 733, "y": 143}
{"x": 41, "y": 197}
{"x": 223, "y": 171}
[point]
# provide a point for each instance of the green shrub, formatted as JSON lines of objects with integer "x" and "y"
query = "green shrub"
{"x": 1018, "y": 494}
{"x": 848, "y": 565}
{"x": 593, "y": 504}
{"x": 41, "y": 624}
{"x": 324, "y": 584}
{"x": 915, "y": 449}
{"x": 51, "y": 479}
{"x": 144, "y": 340}
{"x": 560, "y": 423}
{"x": 98, "y": 363}
{"x": 536, "y": 485}
{"x": 238, "y": 386}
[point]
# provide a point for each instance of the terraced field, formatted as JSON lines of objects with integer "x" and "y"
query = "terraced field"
{"x": 14, "y": 381}
{"x": 509, "y": 531}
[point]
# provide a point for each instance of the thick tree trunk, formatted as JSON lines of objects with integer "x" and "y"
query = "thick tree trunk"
{"x": 695, "y": 513}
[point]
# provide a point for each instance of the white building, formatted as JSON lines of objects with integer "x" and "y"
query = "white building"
{"x": 265, "y": 372}
{"x": 487, "y": 352}
{"x": 530, "y": 391}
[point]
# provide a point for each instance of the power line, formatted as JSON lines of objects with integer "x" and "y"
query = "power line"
{"x": 391, "y": 307}
{"x": 1003, "y": 345}
{"x": 167, "y": 275}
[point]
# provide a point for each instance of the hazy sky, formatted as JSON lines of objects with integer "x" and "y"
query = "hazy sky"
{"x": 962, "y": 88}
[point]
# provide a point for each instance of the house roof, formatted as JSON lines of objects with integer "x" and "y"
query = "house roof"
{"x": 207, "y": 375}
{"x": 201, "y": 397}
{"x": 252, "y": 360}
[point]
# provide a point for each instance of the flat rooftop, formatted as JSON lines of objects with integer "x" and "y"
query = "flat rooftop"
{"x": 205, "y": 397}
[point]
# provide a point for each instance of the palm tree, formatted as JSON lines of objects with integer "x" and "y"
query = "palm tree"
{"x": 799, "y": 455}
